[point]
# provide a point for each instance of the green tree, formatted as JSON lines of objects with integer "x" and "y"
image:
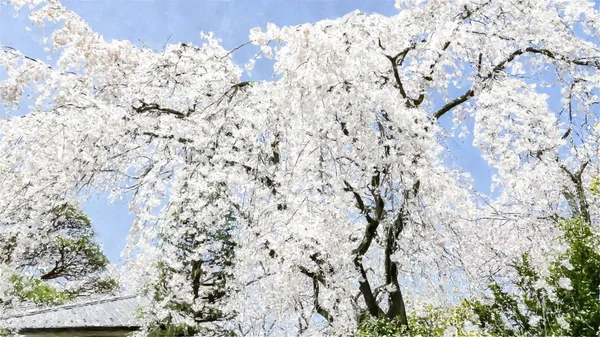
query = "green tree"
{"x": 433, "y": 322}
{"x": 60, "y": 263}
{"x": 204, "y": 258}
{"x": 565, "y": 303}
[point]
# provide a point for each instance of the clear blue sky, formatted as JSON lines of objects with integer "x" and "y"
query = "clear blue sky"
{"x": 154, "y": 21}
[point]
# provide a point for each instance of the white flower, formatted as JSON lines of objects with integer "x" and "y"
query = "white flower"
{"x": 257, "y": 36}
{"x": 267, "y": 51}
{"x": 250, "y": 65}
{"x": 565, "y": 283}
{"x": 540, "y": 284}
{"x": 567, "y": 264}
{"x": 534, "y": 320}
{"x": 450, "y": 331}
{"x": 563, "y": 323}
{"x": 552, "y": 295}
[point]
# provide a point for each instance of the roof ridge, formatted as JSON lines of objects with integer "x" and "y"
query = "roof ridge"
{"x": 37, "y": 311}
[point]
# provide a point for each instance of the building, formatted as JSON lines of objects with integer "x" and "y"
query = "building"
{"x": 110, "y": 317}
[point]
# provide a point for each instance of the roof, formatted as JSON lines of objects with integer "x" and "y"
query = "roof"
{"x": 115, "y": 312}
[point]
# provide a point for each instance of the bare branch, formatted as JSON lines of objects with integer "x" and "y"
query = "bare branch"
{"x": 504, "y": 63}
{"x": 236, "y": 48}
{"x": 153, "y": 107}
{"x": 450, "y": 105}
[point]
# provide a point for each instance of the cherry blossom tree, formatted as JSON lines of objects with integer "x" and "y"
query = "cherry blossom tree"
{"x": 345, "y": 195}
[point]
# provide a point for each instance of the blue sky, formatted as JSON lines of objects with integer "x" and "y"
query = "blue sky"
{"x": 153, "y": 22}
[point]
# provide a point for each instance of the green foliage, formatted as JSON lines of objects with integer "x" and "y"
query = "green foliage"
{"x": 62, "y": 252}
{"x": 107, "y": 285}
{"x": 595, "y": 186}
{"x": 206, "y": 277}
{"x": 434, "y": 322}
{"x": 381, "y": 327}
{"x": 565, "y": 303}
{"x": 85, "y": 254}
{"x": 73, "y": 215}
{"x": 454, "y": 321}
{"x": 37, "y": 291}
{"x": 74, "y": 251}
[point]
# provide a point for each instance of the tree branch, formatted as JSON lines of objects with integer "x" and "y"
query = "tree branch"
{"x": 556, "y": 56}
{"x": 583, "y": 210}
{"x": 316, "y": 279}
{"x": 450, "y": 105}
{"x": 360, "y": 204}
{"x": 397, "y": 61}
{"x": 153, "y": 107}
{"x": 318, "y": 308}
{"x": 363, "y": 282}
{"x": 504, "y": 63}
{"x": 180, "y": 140}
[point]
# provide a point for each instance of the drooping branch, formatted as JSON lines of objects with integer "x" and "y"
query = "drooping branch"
{"x": 583, "y": 207}
{"x": 360, "y": 204}
{"x": 372, "y": 224}
{"x": 429, "y": 77}
{"x": 317, "y": 280}
{"x": 17, "y": 53}
{"x": 266, "y": 180}
{"x": 318, "y": 276}
{"x": 504, "y": 63}
{"x": 318, "y": 308}
{"x": 397, "y": 61}
{"x": 556, "y": 56}
{"x": 471, "y": 92}
{"x": 179, "y": 139}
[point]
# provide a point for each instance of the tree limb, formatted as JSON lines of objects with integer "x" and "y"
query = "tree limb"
{"x": 450, "y": 105}
{"x": 153, "y": 107}
{"x": 504, "y": 63}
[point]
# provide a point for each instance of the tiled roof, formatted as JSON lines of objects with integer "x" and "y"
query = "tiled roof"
{"x": 104, "y": 313}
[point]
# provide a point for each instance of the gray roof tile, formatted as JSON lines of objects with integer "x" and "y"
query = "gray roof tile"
{"x": 109, "y": 312}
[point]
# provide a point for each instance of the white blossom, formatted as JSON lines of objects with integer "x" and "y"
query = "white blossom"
{"x": 344, "y": 182}
{"x": 565, "y": 283}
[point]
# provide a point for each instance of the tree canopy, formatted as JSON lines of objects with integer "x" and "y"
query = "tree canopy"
{"x": 57, "y": 262}
{"x": 345, "y": 197}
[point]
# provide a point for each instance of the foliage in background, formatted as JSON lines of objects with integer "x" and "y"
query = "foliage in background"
{"x": 565, "y": 302}
{"x": 433, "y": 321}
{"x": 62, "y": 262}
{"x": 191, "y": 289}
{"x": 37, "y": 291}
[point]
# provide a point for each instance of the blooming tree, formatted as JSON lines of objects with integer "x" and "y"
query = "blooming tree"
{"x": 345, "y": 196}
